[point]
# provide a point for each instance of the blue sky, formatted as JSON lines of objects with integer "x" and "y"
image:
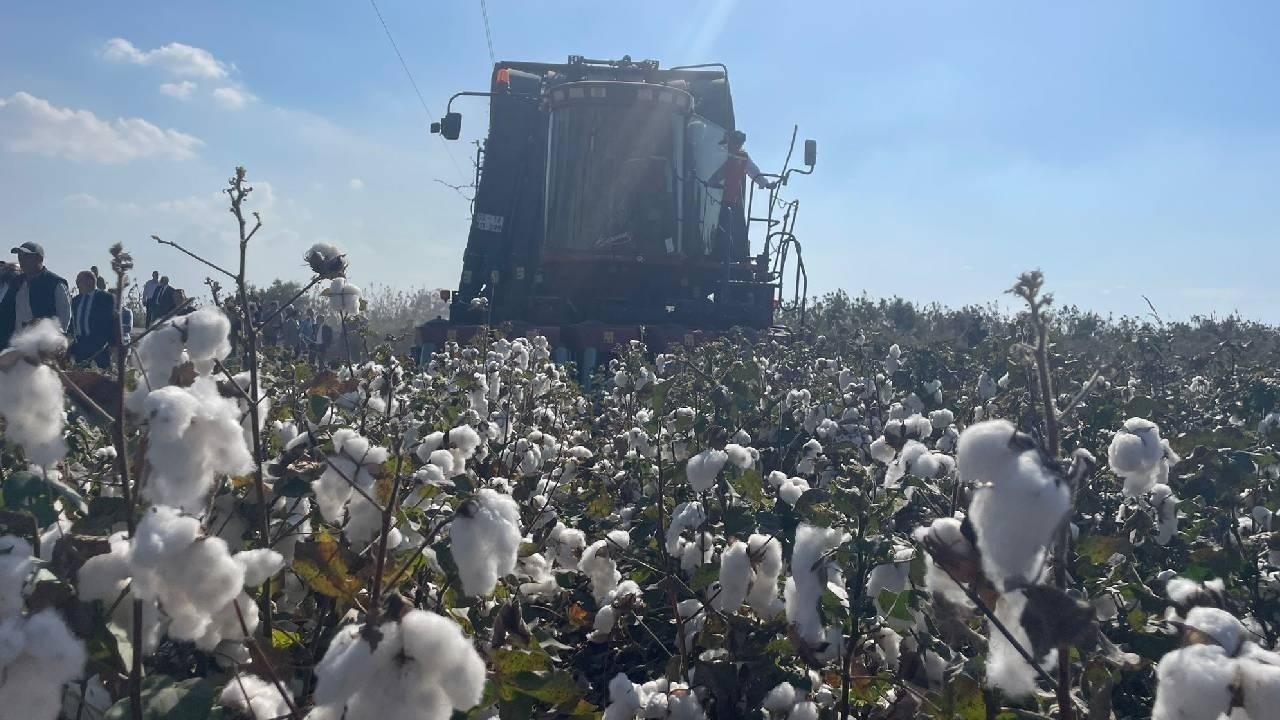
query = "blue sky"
{"x": 1127, "y": 149}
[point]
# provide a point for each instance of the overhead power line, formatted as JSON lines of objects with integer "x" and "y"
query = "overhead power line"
{"x": 430, "y": 115}
{"x": 488, "y": 36}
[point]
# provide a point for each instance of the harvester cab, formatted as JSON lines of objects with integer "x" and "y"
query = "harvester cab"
{"x": 594, "y": 222}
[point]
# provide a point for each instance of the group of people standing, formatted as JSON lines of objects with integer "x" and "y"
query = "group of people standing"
{"x": 30, "y": 292}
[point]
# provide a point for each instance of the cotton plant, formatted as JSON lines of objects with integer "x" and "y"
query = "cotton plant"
{"x": 38, "y": 652}
{"x": 1221, "y": 671}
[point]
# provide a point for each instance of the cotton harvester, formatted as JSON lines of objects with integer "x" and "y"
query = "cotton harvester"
{"x": 594, "y": 222}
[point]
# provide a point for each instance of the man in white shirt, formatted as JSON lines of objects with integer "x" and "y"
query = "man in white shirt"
{"x": 149, "y": 294}
{"x": 39, "y": 293}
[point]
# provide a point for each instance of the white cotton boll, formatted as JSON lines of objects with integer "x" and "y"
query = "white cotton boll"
{"x": 704, "y": 467}
{"x": 986, "y": 387}
{"x": 688, "y": 516}
{"x": 889, "y": 644}
{"x": 602, "y": 625}
{"x": 766, "y": 553}
{"x": 807, "y": 583}
{"x": 351, "y": 660}
{"x": 600, "y": 569}
{"x": 780, "y": 699}
{"x": 918, "y": 426}
{"x": 624, "y": 699}
{"x": 1006, "y": 668}
{"x": 739, "y": 456}
{"x": 735, "y": 577}
{"x": 1218, "y": 624}
{"x": 1260, "y": 685}
{"x": 694, "y": 554}
{"x": 194, "y": 436}
{"x": 31, "y": 397}
{"x": 1140, "y": 456}
{"x": 565, "y": 545}
{"x": 1194, "y": 682}
{"x": 881, "y": 451}
{"x": 946, "y": 534}
{"x": 344, "y": 298}
{"x": 776, "y": 478}
{"x": 941, "y": 419}
{"x": 791, "y": 490}
{"x": 619, "y": 538}
{"x": 50, "y": 537}
{"x": 445, "y": 656}
{"x": 259, "y": 565}
{"x": 486, "y": 540}
{"x": 208, "y": 336}
{"x": 1166, "y": 506}
{"x": 40, "y": 338}
{"x": 1017, "y": 504}
{"x": 806, "y": 710}
{"x": 15, "y": 567}
{"x": 45, "y": 657}
{"x": 254, "y": 697}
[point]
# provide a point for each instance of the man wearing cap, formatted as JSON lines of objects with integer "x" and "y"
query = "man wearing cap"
{"x": 94, "y": 328}
{"x": 35, "y": 293}
{"x": 732, "y": 175}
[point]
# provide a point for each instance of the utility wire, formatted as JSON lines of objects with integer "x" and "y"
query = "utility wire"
{"x": 488, "y": 36}
{"x": 414, "y": 83}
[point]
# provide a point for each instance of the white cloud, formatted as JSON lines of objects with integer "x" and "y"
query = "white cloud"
{"x": 176, "y": 58}
{"x": 83, "y": 201}
{"x": 30, "y": 124}
{"x": 355, "y": 184}
{"x": 181, "y": 90}
{"x": 231, "y": 98}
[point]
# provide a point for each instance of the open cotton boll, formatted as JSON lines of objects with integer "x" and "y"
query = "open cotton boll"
{"x": 739, "y": 456}
{"x": 40, "y": 655}
{"x": 1194, "y": 682}
{"x": 422, "y": 667}
{"x": 1166, "y": 506}
{"x": 882, "y": 451}
{"x": 624, "y": 699}
{"x": 704, "y": 467}
{"x": 688, "y": 516}
{"x": 565, "y": 545}
{"x": 1260, "y": 685}
{"x": 1006, "y": 668}
{"x": 807, "y": 583}
{"x": 918, "y": 426}
{"x": 766, "y": 554}
{"x": 351, "y": 465}
{"x": 1218, "y": 624}
{"x": 1139, "y": 455}
{"x": 344, "y": 298}
{"x": 486, "y": 538}
{"x": 15, "y": 568}
{"x": 31, "y": 397}
{"x": 946, "y": 535}
{"x": 735, "y": 577}
{"x": 1017, "y": 503}
{"x": 600, "y": 569}
{"x": 254, "y": 697}
{"x": 259, "y": 565}
{"x": 780, "y": 699}
{"x": 791, "y": 489}
{"x": 208, "y": 334}
{"x": 194, "y": 436}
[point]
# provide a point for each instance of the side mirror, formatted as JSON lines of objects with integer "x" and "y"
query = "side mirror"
{"x": 810, "y": 152}
{"x": 450, "y": 126}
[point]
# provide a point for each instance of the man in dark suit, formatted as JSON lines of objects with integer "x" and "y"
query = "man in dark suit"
{"x": 94, "y": 324}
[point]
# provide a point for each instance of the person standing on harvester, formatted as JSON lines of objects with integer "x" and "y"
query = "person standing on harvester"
{"x": 731, "y": 231}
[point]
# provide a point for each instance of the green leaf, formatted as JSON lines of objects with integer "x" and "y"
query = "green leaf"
{"x": 1100, "y": 548}
{"x": 164, "y": 699}
{"x": 509, "y": 662}
{"x": 895, "y": 605}
{"x": 281, "y": 638}
{"x": 104, "y": 514}
{"x": 27, "y": 491}
{"x": 601, "y": 506}
{"x": 293, "y": 486}
{"x": 317, "y": 406}
{"x": 555, "y": 688}
{"x": 750, "y": 486}
{"x": 321, "y": 565}
{"x": 704, "y": 577}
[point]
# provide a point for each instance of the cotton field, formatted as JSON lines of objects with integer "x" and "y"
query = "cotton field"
{"x": 862, "y": 521}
